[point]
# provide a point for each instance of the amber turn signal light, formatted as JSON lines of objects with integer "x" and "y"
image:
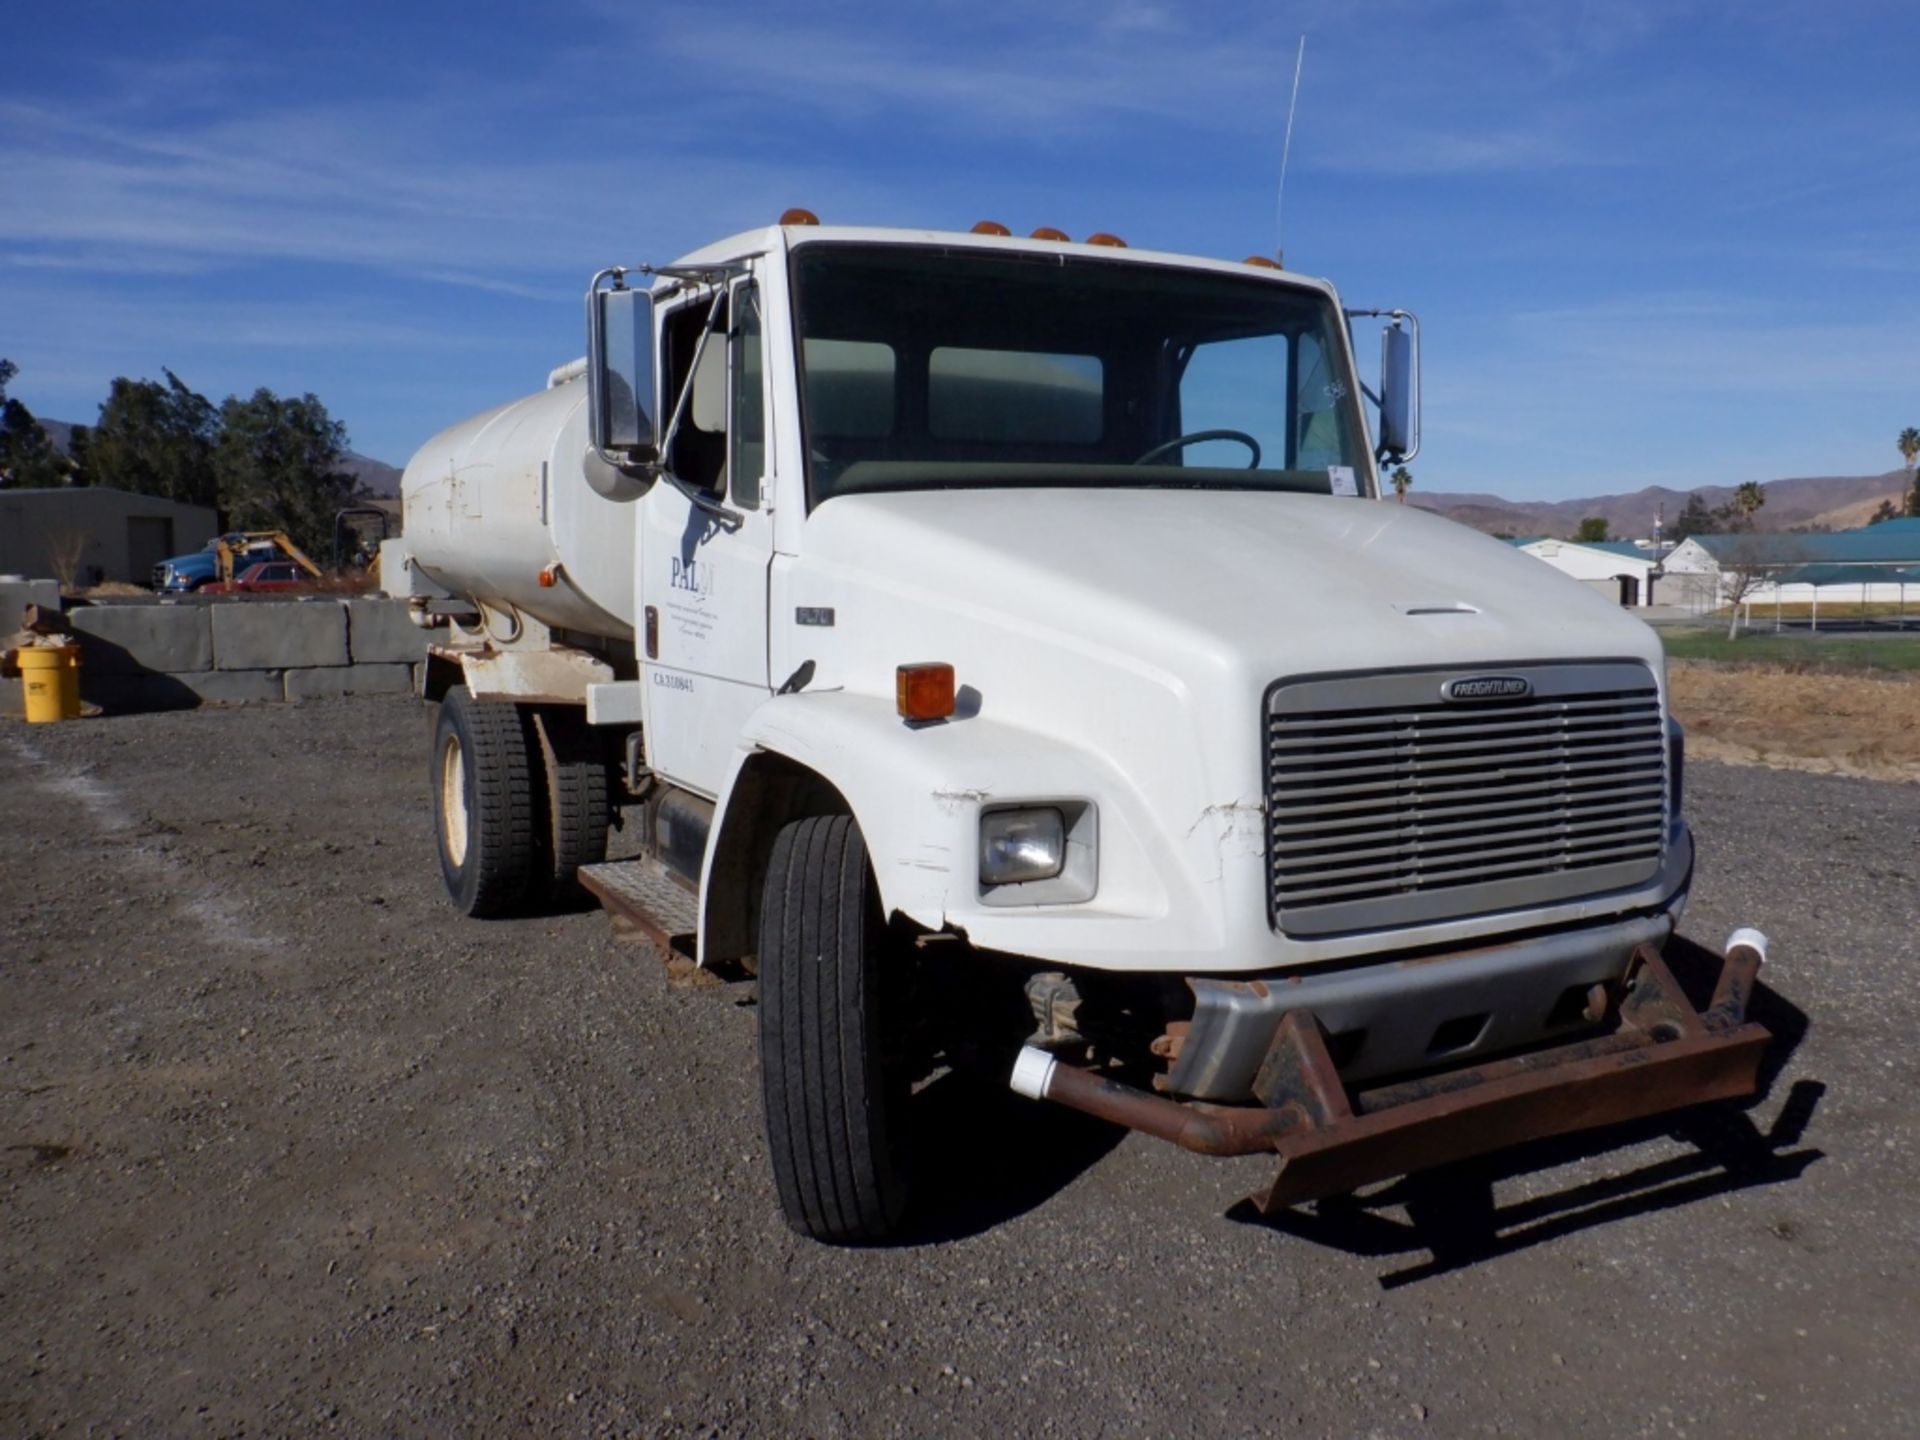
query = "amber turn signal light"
{"x": 923, "y": 691}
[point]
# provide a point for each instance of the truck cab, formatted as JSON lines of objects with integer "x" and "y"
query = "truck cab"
{"x": 1004, "y": 639}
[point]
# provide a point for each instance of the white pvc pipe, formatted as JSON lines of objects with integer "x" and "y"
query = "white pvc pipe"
{"x": 1032, "y": 1073}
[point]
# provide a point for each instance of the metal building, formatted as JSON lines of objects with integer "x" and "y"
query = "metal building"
{"x": 86, "y": 534}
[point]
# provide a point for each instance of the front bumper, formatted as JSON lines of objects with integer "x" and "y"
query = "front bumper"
{"x": 1660, "y": 1055}
{"x": 1392, "y": 1017}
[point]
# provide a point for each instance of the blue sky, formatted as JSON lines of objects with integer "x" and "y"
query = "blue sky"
{"x": 1649, "y": 243}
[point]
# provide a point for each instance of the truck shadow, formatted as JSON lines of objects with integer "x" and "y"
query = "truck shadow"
{"x": 999, "y": 1155}
{"x": 1452, "y": 1215}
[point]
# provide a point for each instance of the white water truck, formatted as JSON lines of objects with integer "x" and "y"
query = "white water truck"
{"x": 999, "y": 647}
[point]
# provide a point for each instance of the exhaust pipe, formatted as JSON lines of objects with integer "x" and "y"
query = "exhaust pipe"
{"x": 1206, "y": 1129}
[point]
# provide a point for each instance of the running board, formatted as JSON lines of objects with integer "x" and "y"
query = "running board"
{"x": 644, "y": 895}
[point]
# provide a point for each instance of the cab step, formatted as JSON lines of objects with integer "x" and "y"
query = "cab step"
{"x": 642, "y": 894}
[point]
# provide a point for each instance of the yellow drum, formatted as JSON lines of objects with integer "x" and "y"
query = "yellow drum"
{"x": 52, "y": 677}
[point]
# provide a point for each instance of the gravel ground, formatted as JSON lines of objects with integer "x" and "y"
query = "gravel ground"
{"x": 289, "y": 1148}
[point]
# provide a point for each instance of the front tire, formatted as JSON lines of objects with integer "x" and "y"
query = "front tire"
{"x": 835, "y": 1097}
{"x": 483, "y": 804}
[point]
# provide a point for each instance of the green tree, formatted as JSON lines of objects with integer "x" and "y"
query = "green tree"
{"x": 1592, "y": 529}
{"x": 1402, "y": 480}
{"x": 1887, "y": 511}
{"x": 1695, "y": 519}
{"x": 279, "y": 467}
{"x": 156, "y": 439}
{"x": 79, "y": 451}
{"x": 28, "y": 459}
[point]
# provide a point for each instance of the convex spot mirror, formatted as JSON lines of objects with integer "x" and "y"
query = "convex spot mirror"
{"x": 620, "y": 374}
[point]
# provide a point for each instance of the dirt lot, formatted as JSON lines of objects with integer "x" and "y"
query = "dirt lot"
{"x": 1800, "y": 719}
{"x": 288, "y": 1149}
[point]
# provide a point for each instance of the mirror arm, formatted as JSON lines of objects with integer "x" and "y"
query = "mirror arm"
{"x": 686, "y": 388}
{"x": 731, "y": 519}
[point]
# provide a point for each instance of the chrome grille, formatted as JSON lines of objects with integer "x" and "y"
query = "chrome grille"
{"x": 1389, "y": 804}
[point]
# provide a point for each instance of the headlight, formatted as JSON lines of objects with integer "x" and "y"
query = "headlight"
{"x": 1021, "y": 845}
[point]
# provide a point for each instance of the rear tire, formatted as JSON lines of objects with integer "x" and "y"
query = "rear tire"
{"x": 579, "y": 806}
{"x": 835, "y": 1099}
{"x": 484, "y": 804}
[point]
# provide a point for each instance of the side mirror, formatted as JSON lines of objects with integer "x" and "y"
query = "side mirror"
{"x": 1400, "y": 388}
{"x": 620, "y": 373}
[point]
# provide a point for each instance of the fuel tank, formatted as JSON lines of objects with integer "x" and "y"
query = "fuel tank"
{"x": 499, "y": 501}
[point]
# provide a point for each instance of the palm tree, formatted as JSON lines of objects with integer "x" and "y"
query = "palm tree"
{"x": 1400, "y": 479}
{"x": 1748, "y": 497}
{"x": 1909, "y": 443}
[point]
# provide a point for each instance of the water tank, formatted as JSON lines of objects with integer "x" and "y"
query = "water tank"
{"x": 493, "y": 502}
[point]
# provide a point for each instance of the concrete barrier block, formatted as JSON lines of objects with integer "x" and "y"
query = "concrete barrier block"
{"x": 142, "y": 639}
{"x": 16, "y": 595}
{"x": 234, "y": 687}
{"x": 379, "y": 632}
{"x": 334, "y": 681}
{"x": 278, "y": 635}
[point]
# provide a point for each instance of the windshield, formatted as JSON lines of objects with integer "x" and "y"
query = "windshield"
{"x": 927, "y": 367}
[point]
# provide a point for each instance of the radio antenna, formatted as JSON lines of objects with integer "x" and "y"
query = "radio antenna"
{"x": 1286, "y": 149}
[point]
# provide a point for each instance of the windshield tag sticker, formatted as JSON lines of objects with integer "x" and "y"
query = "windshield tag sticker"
{"x": 1342, "y": 479}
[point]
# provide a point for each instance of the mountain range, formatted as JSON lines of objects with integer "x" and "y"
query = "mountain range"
{"x": 1834, "y": 502}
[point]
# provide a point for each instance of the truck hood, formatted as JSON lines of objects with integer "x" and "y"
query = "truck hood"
{"x": 1207, "y": 586}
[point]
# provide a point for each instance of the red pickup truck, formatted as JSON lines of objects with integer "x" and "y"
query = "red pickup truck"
{"x": 266, "y": 576}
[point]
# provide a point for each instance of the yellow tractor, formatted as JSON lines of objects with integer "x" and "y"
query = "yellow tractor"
{"x": 240, "y": 549}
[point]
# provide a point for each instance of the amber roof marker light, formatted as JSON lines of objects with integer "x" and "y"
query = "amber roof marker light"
{"x": 989, "y": 227}
{"x": 924, "y": 690}
{"x": 795, "y": 215}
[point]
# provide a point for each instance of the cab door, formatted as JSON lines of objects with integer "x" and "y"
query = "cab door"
{"x": 703, "y": 577}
